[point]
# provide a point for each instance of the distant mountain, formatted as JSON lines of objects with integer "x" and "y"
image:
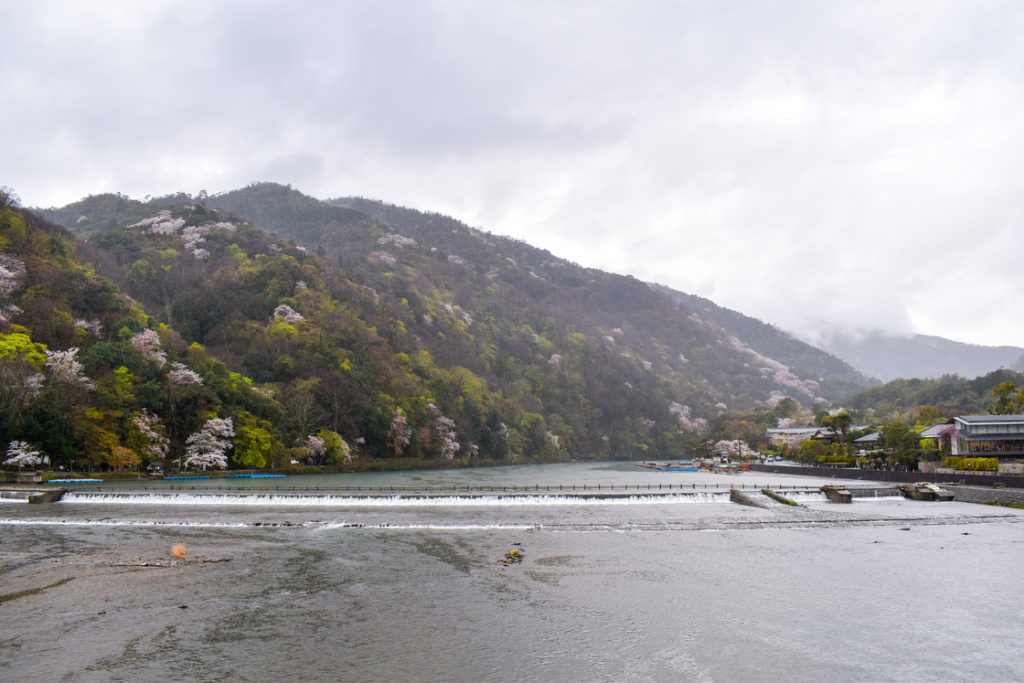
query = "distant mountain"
{"x": 344, "y": 314}
{"x": 921, "y": 356}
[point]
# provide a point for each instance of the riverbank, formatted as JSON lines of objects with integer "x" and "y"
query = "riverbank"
{"x": 987, "y": 495}
{"x": 620, "y": 590}
{"x": 1006, "y": 490}
{"x": 1005, "y": 480}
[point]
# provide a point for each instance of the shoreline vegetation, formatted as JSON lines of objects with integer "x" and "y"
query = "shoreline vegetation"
{"x": 356, "y": 466}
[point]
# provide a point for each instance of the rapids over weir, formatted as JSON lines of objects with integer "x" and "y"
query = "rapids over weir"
{"x": 470, "y": 495}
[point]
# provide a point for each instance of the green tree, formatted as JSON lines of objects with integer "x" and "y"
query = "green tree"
{"x": 929, "y": 415}
{"x": 929, "y": 449}
{"x": 839, "y": 425}
{"x": 1006, "y": 399}
{"x": 19, "y": 347}
{"x": 336, "y": 450}
{"x": 902, "y": 443}
{"x": 255, "y": 443}
{"x": 97, "y": 434}
{"x": 810, "y": 450}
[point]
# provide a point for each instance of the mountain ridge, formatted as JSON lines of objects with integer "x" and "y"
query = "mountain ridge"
{"x": 362, "y": 313}
{"x": 889, "y": 357}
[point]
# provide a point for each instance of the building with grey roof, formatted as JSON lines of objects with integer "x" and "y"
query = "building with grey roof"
{"x": 989, "y": 436}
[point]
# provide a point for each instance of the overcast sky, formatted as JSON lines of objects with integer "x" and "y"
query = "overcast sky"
{"x": 813, "y": 164}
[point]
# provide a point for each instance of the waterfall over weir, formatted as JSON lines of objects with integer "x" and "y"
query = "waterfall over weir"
{"x": 390, "y": 501}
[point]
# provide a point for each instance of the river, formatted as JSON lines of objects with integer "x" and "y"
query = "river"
{"x": 283, "y": 582}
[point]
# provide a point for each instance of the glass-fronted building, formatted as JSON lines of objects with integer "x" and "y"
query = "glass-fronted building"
{"x": 989, "y": 436}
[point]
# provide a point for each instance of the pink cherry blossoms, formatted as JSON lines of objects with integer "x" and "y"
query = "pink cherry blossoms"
{"x": 736, "y": 448}
{"x": 206, "y": 448}
{"x": 400, "y": 434}
{"x": 444, "y": 428}
{"x": 148, "y": 425}
{"x": 315, "y": 445}
{"x": 287, "y": 313}
{"x": 64, "y": 368}
{"x": 8, "y": 311}
{"x": 160, "y": 224}
{"x": 148, "y": 343}
{"x": 20, "y": 454}
{"x": 181, "y": 374}
{"x": 12, "y": 273}
{"x": 193, "y": 235}
{"x": 397, "y": 240}
{"x": 94, "y": 327}
{"x": 346, "y": 451}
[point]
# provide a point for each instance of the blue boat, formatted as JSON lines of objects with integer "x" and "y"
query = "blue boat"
{"x": 683, "y": 466}
{"x": 255, "y": 476}
{"x": 205, "y": 476}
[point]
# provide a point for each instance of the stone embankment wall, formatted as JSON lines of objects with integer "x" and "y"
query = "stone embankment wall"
{"x": 982, "y": 494}
{"x": 1008, "y": 480}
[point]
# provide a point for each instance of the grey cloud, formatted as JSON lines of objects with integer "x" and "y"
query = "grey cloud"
{"x": 812, "y": 164}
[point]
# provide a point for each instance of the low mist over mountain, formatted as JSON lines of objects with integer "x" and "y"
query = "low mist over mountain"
{"x": 920, "y": 356}
{"x": 406, "y": 333}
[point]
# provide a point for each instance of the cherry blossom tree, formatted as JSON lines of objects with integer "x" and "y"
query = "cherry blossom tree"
{"x": 20, "y": 454}
{"x": 444, "y": 428}
{"x": 735, "y": 448}
{"x": 9, "y": 311}
{"x": 179, "y": 381}
{"x": 148, "y": 343}
{"x": 287, "y": 313}
{"x": 400, "y": 434}
{"x": 315, "y": 445}
{"x": 181, "y": 375}
{"x": 794, "y": 443}
{"x": 12, "y": 273}
{"x": 346, "y": 451}
{"x": 327, "y": 447}
{"x": 152, "y": 430}
{"x": 64, "y": 367}
{"x": 94, "y": 327}
{"x": 206, "y": 448}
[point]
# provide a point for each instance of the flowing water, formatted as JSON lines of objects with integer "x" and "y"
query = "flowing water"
{"x": 404, "y": 576}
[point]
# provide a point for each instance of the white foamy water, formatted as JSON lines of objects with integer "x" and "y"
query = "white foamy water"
{"x": 267, "y": 525}
{"x": 121, "y": 523}
{"x": 333, "y": 501}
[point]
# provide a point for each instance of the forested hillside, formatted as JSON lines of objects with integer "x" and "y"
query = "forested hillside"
{"x": 88, "y": 377}
{"x": 951, "y": 395}
{"x": 399, "y": 334}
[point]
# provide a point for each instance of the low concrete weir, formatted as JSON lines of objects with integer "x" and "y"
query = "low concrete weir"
{"x": 744, "y": 498}
{"x": 846, "y": 494}
{"x": 32, "y": 494}
{"x": 763, "y": 497}
{"x": 837, "y": 495}
{"x": 880, "y": 492}
{"x": 926, "y": 491}
{"x": 778, "y": 497}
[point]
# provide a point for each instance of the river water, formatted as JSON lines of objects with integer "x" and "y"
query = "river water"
{"x": 353, "y": 583}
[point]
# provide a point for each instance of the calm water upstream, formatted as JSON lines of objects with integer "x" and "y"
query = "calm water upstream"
{"x": 286, "y": 582}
